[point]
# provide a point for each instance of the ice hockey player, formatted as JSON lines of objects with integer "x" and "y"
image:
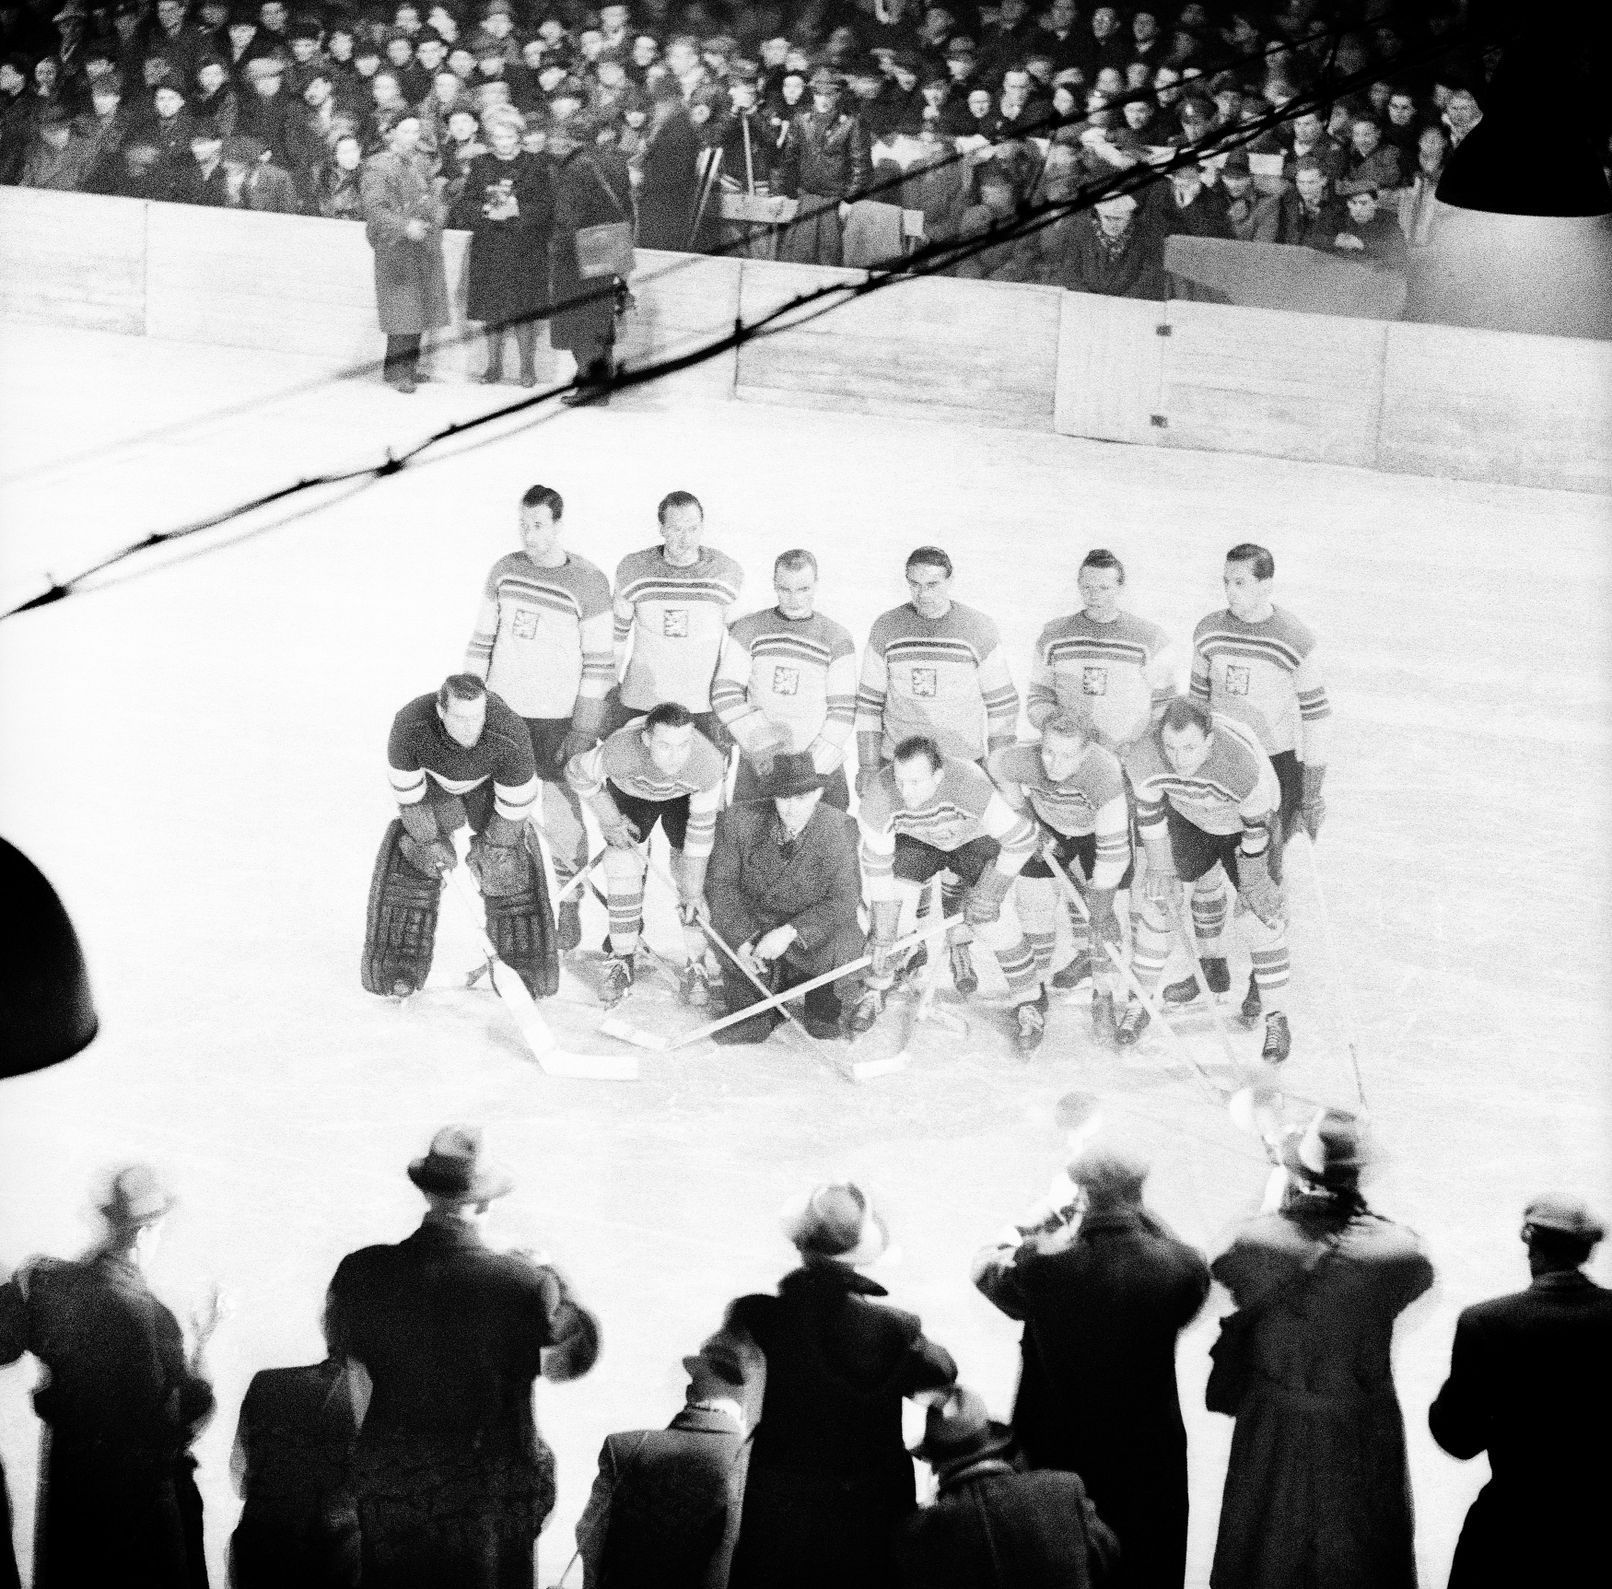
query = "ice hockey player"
{"x": 787, "y": 682}
{"x": 930, "y": 814}
{"x": 935, "y": 668}
{"x": 671, "y": 613}
{"x": 1256, "y": 662}
{"x": 1207, "y": 799}
{"x": 542, "y": 643}
{"x": 657, "y": 768}
{"x": 1112, "y": 672}
{"x": 1074, "y": 790}
{"x": 459, "y": 756}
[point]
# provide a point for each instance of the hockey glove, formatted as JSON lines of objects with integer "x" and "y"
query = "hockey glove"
{"x": 690, "y": 911}
{"x": 435, "y": 859}
{"x": 499, "y": 869}
{"x": 1259, "y": 893}
{"x": 1312, "y": 808}
{"x": 620, "y": 834}
{"x": 1104, "y": 923}
{"x": 866, "y": 777}
{"x": 984, "y": 902}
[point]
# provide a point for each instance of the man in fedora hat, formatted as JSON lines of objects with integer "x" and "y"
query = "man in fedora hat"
{"x": 1104, "y": 1294}
{"x": 121, "y": 1399}
{"x": 994, "y": 1525}
{"x": 1530, "y": 1384}
{"x": 665, "y": 1507}
{"x": 1317, "y": 1488}
{"x": 783, "y": 888}
{"x": 452, "y": 1479}
{"x": 829, "y": 1477}
{"x": 825, "y": 163}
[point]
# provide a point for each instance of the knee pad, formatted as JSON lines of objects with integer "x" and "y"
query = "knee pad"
{"x": 400, "y": 931}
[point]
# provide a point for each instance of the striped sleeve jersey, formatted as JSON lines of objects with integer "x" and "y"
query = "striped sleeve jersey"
{"x": 793, "y": 678}
{"x": 966, "y": 806}
{"x": 420, "y": 748}
{"x": 1109, "y": 677}
{"x": 1266, "y": 675}
{"x": 542, "y": 636}
{"x": 1090, "y": 800}
{"x": 944, "y": 677}
{"x": 1234, "y": 790}
{"x": 675, "y": 620}
{"x": 622, "y": 763}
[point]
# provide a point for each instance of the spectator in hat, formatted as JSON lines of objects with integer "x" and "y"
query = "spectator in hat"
{"x": 827, "y": 161}
{"x": 507, "y": 206}
{"x": 1187, "y": 207}
{"x": 1371, "y": 234}
{"x": 215, "y": 99}
{"x": 203, "y": 181}
{"x": 107, "y": 123}
{"x": 267, "y": 111}
{"x": 254, "y": 181}
{"x": 404, "y": 214}
{"x": 60, "y": 157}
{"x": 829, "y": 1477}
{"x": 1251, "y": 216}
{"x": 310, "y": 129}
{"x": 1104, "y": 1288}
{"x": 177, "y": 37}
{"x": 783, "y": 888}
{"x": 1317, "y": 1487}
{"x": 665, "y": 1508}
{"x": 897, "y": 111}
{"x": 451, "y": 1477}
{"x": 1530, "y": 1381}
{"x": 669, "y": 187}
{"x": 122, "y": 1400}
{"x": 169, "y": 127}
{"x": 1113, "y": 249}
{"x": 994, "y": 1524}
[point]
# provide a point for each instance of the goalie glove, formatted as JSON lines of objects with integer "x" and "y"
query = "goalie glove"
{"x": 435, "y": 858}
{"x": 1312, "y": 808}
{"x": 1259, "y": 893}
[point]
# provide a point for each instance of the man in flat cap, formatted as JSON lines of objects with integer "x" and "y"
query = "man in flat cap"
{"x": 1104, "y": 1287}
{"x": 665, "y": 1507}
{"x": 452, "y": 1479}
{"x": 826, "y": 162}
{"x": 783, "y": 888}
{"x": 829, "y": 1477}
{"x": 1531, "y": 1384}
{"x": 122, "y": 1399}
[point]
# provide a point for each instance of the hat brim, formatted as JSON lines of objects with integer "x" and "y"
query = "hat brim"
{"x": 998, "y": 1437}
{"x": 793, "y": 787}
{"x": 488, "y": 1183}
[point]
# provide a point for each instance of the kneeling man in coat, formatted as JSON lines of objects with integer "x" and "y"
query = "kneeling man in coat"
{"x": 783, "y": 888}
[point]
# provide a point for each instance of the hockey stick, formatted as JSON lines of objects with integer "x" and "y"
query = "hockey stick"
{"x": 1149, "y": 1001}
{"x": 1343, "y": 993}
{"x": 522, "y": 1006}
{"x": 1174, "y": 907}
{"x": 614, "y": 1027}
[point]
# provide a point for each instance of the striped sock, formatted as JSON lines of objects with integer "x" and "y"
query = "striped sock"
{"x": 626, "y": 922}
{"x": 1041, "y": 946}
{"x": 1208, "y": 917}
{"x": 1018, "y": 966}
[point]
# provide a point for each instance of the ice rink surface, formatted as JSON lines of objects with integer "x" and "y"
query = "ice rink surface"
{"x": 196, "y": 759}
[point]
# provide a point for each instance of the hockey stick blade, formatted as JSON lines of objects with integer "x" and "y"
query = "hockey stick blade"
{"x": 626, "y": 1032}
{"x": 554, "y": 1060}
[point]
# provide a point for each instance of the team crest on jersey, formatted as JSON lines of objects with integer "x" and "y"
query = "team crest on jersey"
{"x": 1236, "y": 679}
{"x": 525, "y": 625}
{"x": 786, "y": 681}
{"x": 674, "y": 623}
{"x": 924, "y": 682}
{"x": 1094, "y": 681}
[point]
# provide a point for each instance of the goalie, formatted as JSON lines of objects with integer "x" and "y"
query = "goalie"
{"x": 459, "y": 756}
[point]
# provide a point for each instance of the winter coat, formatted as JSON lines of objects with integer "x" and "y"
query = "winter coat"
{"x": 830, "y": 156}
{"x": 1081, "y": 261}
{"x": 1012, "y": 259}
{"x": 411, "y": 279}
{"x": 59, "y": 170}
{"x": 1530, "y": 1384}
{"x": 829, "y": 1475}
{"x": 509, "y": 258}
{"x": 671, "y": 186}
{"x": 1097, "y": 1389}
{"x": 449, "y": 1468}
{"x": 1317, "y": 1492}
{"x": 593, "y": 189}
{"x": 1302, "y": 228}
{"x": 118, "y": 1503}
{"x": 995, "y": 1527}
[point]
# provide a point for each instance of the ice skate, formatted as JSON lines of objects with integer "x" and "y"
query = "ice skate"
{"x": 1216, "y": 973}
{"x": 1077, "y": 971}
{"x": 1032, "y": 1018}
{"x": 1132, "y": 1024}
{"x": 618, "y": 980}
{"x": 1278, "y": 1040}
{"x": 964, "y": 977}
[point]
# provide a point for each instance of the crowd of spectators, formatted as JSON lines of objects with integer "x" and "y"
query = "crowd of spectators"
{"x": 755, "y": 126}
{"x": 409, "y": 1457}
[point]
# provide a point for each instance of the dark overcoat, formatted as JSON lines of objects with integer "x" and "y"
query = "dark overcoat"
{"x": 452, "y": 1478}
{"x": 665, "y": 1507}
{"x": 593, "y": 189}
{"x": 1531, "y": 1383}
{"x": 509, "y": 258}
{"x": 994, "y": 1527}
{"x": 1084, "y": 261}
{"x": 829, "y": 1475}
{"x": 1317, "y": 1491}
{"x": 120, "y": 1403}
{"x": 411, "y": 280}
{"x": 671, "y": 185}
{"x": 293, "y": 1461}
{"x": 1097, "y": 1389}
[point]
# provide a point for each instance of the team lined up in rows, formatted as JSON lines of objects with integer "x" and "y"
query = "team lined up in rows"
{"x": 1131, "y": 786}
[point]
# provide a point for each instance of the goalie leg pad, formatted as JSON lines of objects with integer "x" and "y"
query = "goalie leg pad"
{"x": 400, "y": 931}
{"x": 520, "y": 923}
